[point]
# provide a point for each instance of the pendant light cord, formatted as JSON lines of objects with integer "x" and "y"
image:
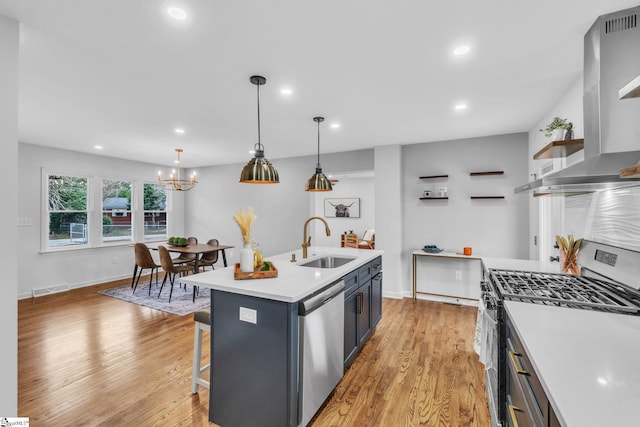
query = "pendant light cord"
{"x": 258, "y": 96}
{"x": 318, "y": 164}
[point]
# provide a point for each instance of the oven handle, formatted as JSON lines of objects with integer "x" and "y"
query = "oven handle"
{"x": 512, "y": 413}
{"x": 515, "y": 363}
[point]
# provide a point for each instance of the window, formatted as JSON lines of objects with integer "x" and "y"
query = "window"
{"x": 67, "y": 210}
{"x": 155, "y": 212}
{"x": 116, "y": 211}
{"x": 86, "y": 211}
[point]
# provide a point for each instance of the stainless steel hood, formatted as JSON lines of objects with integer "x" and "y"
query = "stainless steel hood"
{"x": 596, "y": 173}
{"x": 611, "y": 124}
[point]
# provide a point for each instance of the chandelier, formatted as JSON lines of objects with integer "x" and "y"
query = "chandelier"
{"x": 174, "y": 182}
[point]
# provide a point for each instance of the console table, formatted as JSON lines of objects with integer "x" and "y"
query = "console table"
{"x": 447, "y": 277}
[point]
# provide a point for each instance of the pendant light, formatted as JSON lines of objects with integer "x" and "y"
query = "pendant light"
{"x": 318, "y": 182}
{"x": 259, "y": 170}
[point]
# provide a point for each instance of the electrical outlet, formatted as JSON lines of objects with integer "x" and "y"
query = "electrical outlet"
{"x": 458, "y": 275}
{"x": 114, "y": 260}
{"x": 248, "y": 315}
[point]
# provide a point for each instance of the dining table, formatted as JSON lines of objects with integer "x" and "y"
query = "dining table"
{"x": 196, "y": 249}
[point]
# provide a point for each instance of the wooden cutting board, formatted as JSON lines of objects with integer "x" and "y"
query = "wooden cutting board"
{"x": 256, "y": 274}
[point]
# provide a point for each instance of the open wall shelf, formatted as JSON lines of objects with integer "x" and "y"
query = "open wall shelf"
{"x": 487, "y": 173}
{"x": 434, "y": 198}
{"x": 485, "y": 197}
{"x": 557, "y": 149}
{"x": 434, "y": 176}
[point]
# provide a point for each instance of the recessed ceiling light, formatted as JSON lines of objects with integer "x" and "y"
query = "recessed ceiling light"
{"x": 460, "y": 107}
{"x": 179, "y": 130}
{"x": 286, "y": 91}
{"x": 335, "y": 125}
{"x": 98, "y": 147}
{"x": 461, "y": 50}
{"x": 177, "y": 13}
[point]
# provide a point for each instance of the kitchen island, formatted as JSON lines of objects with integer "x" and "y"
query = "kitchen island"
{"x": 255, "y": 335}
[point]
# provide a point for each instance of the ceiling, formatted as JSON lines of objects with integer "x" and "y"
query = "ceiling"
{"x": 124, "y": 74}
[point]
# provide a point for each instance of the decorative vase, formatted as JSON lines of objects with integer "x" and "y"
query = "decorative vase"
{"x": 568, "y": 135}
{"x": 557, "y": 134}
{"x": 569, "y": 262}
{"x": 246, "y": 258}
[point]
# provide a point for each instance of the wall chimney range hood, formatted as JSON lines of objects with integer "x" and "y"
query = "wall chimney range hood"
{"x": 611, "y": 116}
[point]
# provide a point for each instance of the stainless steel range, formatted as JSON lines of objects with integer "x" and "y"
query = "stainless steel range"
{"x": 609, "y": 282}
{"x": 566, "y": 290}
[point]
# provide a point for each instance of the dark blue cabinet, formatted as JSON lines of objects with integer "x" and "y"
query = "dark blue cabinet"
{"x": 362, "y": 307}
{"x": 254, "y": 365}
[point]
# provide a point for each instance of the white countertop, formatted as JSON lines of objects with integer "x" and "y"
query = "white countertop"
{"x": 499, "y": 263}
{"x": 587, "y": 362}
{"x": 293, "y": 282}
{"x": 520, "y": 265}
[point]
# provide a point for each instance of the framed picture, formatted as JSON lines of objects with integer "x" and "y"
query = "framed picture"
{"x": 342, "y": 208}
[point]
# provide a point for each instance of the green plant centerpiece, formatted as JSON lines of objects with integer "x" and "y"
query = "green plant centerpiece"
{"x": 178, "y": 241}
{"x": 562, "y": 126}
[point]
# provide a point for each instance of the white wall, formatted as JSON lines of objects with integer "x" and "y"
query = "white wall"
{"x": 390, "y": 211}
{"x": 9, "y": 37}
{"x": 74, "y": 268}
{"x": 281, "y": 209}
{"x": 569, "y": 106}
{"x": 205, "y": 212}
{"x": 496, "y": 228}
{"x": 362, "y": 188}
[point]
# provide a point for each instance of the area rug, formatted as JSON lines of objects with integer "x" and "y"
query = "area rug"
{"x": 181, "y": 301}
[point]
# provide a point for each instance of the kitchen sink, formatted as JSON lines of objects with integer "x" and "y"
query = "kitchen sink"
{"x": 329, "y": 261}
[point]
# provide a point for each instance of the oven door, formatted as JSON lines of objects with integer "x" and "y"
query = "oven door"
{"x": 486, "y": 344}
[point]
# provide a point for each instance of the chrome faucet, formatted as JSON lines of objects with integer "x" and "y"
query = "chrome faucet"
{"x": 306, "y": 242}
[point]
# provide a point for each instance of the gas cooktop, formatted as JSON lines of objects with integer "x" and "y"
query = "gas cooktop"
{"x": 566, "y": 290}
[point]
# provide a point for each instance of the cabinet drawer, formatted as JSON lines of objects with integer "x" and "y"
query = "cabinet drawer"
{"x": 518, "y": 360}
{"x": 364, "y": 273}
{"x": 517, "y": 411}
{"x": 350, "y": 282}
{"x": 376, "y": 266}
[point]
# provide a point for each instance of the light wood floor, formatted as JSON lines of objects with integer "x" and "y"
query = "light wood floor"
{"x": 85, "y": 359}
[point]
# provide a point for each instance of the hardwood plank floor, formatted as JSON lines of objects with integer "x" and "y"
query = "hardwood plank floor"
{"x": 85, "y": 359}
{"x": 419, "y": 368}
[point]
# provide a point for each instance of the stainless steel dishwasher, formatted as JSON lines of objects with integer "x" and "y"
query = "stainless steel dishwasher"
{"x": 321, "y": 349}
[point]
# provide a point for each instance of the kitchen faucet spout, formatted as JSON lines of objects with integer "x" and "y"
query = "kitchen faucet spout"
{"x": 306, "y": 242}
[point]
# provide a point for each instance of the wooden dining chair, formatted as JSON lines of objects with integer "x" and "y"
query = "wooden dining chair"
{"x": 170, "y": 269}
{"x": 368, "y": 240}
{"x": 208, "y": 258}
{"x": 144, "y": 260}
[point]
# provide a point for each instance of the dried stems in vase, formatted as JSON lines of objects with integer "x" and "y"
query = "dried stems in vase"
{"x": 569, "y": 248}
{"x": 244, "y": 219}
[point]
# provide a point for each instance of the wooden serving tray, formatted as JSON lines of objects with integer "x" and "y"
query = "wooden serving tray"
{"x": 256, "y": 274}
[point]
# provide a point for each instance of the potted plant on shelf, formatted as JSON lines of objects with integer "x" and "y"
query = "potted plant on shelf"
{"x": 559, "y": 129}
